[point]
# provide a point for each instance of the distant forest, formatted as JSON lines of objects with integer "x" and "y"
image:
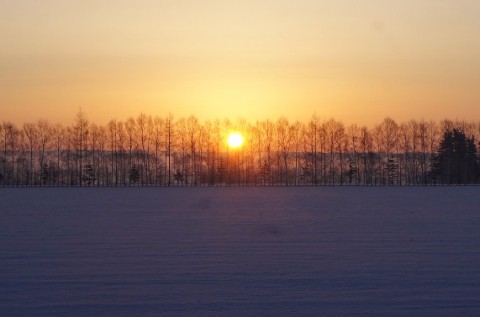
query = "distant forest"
{"x": 166, "y": 151}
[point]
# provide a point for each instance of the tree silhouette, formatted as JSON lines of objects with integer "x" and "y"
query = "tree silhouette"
{"x": 134, "y": 177}
{"x": 456, "y": 161}
{"x": 150, "y": 151}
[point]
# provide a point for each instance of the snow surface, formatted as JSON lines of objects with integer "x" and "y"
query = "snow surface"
{"x": 328, "y": 251}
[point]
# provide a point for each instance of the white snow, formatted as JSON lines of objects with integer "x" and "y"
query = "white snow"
{"x": 326, "y": 251}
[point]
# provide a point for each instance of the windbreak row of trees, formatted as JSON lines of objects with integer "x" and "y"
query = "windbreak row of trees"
{"x": 164, "y": 151}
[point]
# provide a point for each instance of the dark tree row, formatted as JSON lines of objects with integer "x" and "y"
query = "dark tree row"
{"x": 163, "y": 151}
{"x": 456, "y": 161}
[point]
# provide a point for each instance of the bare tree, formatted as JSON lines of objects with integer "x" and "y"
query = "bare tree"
{"x": 144, "y": 126}
{"x": 169, "y": 134}
{"x": 353, "y": 132}
{"x": 295, "y": 137}
{"x": 114, "y": 145}
{"x": 335, "y": 132}
{"x": 30, "y": 131}
{"x": 284, "y": 139}
{"x": 193, "y": 134}
{"x": 11, "y": 138}
{"x": 80, "y": 134}
{"x": 45, "y": 132}
{"x": 150, "y": 151}
{"x": 58, "y": 132}
{"x": 368, "y": 159}
{"x": 414, "y": 135}
{"x": 158, "y": 137}
{"x": 267, "y": 129}
{"x": 422, "y": 137}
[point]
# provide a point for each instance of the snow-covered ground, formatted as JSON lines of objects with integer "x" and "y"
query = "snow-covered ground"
{"x": 351, "y": 251}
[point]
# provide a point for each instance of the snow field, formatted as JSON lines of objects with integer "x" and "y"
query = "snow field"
{"x": 326, "y": 251}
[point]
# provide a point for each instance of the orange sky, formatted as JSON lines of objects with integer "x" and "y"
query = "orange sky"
{"x": 357, "y": 61}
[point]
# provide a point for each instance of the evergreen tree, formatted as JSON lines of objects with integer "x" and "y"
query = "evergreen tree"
{"x": 472, "y": 161}
{"x": 178, "y": 176}
{"x": 88, "y": 176}
{"x": 352, "y": 171}
{"x": 134, "y": 174}
{"x": 45, "y": 174}
{"x": 265, "y": 171}
{"x": 392, "y": 170}
{"x": 456, "y": 161}
{"x": 221, "y": 170}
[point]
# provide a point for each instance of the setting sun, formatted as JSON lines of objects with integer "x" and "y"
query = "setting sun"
{"x": 235, "y": 140}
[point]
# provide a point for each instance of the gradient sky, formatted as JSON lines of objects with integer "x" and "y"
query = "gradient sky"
{"x": 357, "y": 61}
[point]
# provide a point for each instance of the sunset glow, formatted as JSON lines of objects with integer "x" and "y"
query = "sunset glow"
{"x": 235, "y": 140}
{"x": 239, "y": 157}
{"x": 354, "y": 61}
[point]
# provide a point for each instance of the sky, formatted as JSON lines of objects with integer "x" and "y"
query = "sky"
{"x": 356, "y": 61}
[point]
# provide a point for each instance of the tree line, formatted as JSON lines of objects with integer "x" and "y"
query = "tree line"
{"x": 166, "y": 151}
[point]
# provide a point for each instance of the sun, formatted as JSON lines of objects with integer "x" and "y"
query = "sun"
{"x": 235, "y": 140}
